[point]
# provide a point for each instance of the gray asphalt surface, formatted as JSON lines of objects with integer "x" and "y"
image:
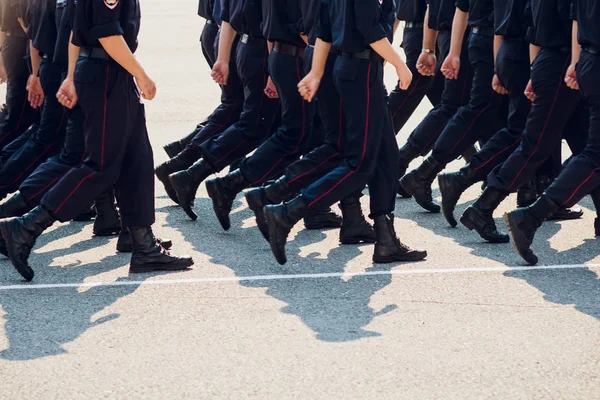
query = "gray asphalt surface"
{"x": 468, "y": 323}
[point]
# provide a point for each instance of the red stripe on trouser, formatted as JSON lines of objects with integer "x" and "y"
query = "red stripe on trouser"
{"x": 497, "y": 154}
{"x": 315, "y": 168}
{"x": 362, "y": 157}
{"x": 73, "y": 191}
{"x": 473, "y": 122}
{"x": 41, "y": 154}
{"x": 301, "y": 137}
{"x": 580, "y": 186}
{"x": 232, "y": 150}
{"x": 48, "y": 185}
{"x": 537, "y": 146}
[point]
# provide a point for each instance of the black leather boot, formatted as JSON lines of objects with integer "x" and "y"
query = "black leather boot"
{"x": 14, "y": 206}
{"x": 480, "y": 216}
{"x": 527, "y": 194}
{"x": 258, "y": 198}
{"x": 452, "y": 186}
{"x": 20, "y": 234}
{"x": 236, "y": 164}
{"x": 125, "y": 245}
{"x": 87, "y": 215}
{"x": 407, "y": 154}
{"x": 388, "y": 247}
{"x": 223, "y": 192}
{"x": 172, "y": 149}
{"x": 355, "y": 228}
{"x": 562, "y": 213}
{"x": 596, "y": 199}
{"x": 281, "y": 218}
{"x": 524, "y": 222}
{"x": 150, "y": 256}
{"x": 418, "y": 183}
{"x": 108, "y": 220}
{"x": 322, "y": 219}
{"x": 178, "y": 163}
{"x": 186, "y": 185}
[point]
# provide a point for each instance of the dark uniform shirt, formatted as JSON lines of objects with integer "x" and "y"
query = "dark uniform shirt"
{"x": 587, "y": 15}
{"x": 205, "y": 9}
{"x": 310, "y": 12}
{"x": 481, "y": 12}
{"x": 10, "y": 10}
{"x": 245, "y": 16}
{"x": 216, "y": 12}
{"x": 441, "y": 14}
{"x": 282, "y": 21}
{"x": 41, "y": 25}
{"x": 63, "y": 29}
{"x": 552, "y": 26}
{"x": 411, "y": 10}
{"x": 352, "y": 25}
{"x": 510, "y": 18}
{"x": 96, "y": 19}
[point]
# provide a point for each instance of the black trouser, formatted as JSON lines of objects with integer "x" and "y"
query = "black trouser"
{"x": 117, "y": 146}
{"x": 208, "y": 38}
{"x": 53, "y": 169}
{"x": 286, "y": 144}
{"x": 403, "y": 103}
{"x": 370, "y": 153}
{"x": 456, "y": 93}
{"x": 582, "y": 174}
{"x": 554, "y": 107}
{"x": 49, "y": 137}
{"x": 20, "y": 114}
{"x": 513, "y": 70}
{"x": 258, "y": 111}
{"x": 228, "y": 112}
{"x": 472, "y": 121}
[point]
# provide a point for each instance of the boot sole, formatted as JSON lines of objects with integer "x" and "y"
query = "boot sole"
{"x": 357, "y": 240}
{"x": 160, "y": 267}
{"x": 408, "y": 257}
{"x": 447, "y": 212}
{"x": 517, "y": 237}
{"x": 107, "y": 232}
{"x": 280, "y": 257}
{"x": 323, "y": 225}
{"x": 188, "y": 210}
{"x": 211, "y": 189}
{"x": 565, "y": 217}
{"x": 470, "y": 226}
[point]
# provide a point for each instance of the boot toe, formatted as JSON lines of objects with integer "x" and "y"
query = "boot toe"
{"x": 323, "y": 220}
{"x": 277, "y": 238}
{"x": 566, "y": 214}
{"x": 449, "y": 199}
{"x": 184, "y": 192}
{"x": 256, "y": 202}
{"x": 520, "y": 238}
{"x": 163, "y": 176}
{"x": 221, "y": 202}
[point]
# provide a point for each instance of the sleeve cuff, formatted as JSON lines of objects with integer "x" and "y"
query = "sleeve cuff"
{"x": 374, "y": 34}
{"x": 106, "y": 30}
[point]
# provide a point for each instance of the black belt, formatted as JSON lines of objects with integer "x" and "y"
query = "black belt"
{"x": 411, "y": 25}
{"x": 94, "y": 52}
{"x": 591, "y": 49}
{"x": 367, "y": 54}
{"x": 483, "y": 30}
{"x": 288, "y": 49}
{"x": 245, "y": 38}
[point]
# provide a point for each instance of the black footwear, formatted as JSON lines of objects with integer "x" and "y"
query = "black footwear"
{"x": 469, "y": 153}
{"x": 452, "y": 186}
{"x": 418, "y": 183}
{"x": 236, "y": 164}
{"x": 322, "y": 219}
{"x": 178, "y": 163}
{"x": 87, "y": 215}
{"x": 108, "y": 220}
{"x": 125, "y": 245}
{"x": 186, "y": 185}
{"x": 524, "y": 222}
{"x": 150, "y": 256}
{"x": 480, "y": 216}
{"x": 565, "y": 214}
{"x": 20, "y": 234}
{"x": 14, "y": 207}
{"x": 223, "y": 192}
{"x": 281, "y": 219}
{"x": 595, "y": 195}
{"x": 258, "y": 198}
{"x": 527, "y": 194}
{"x": 597, "y": 226}
{"x": 172, "y": 149}
{"x": 355, "y": 229}
{"x": 388, "y": 247}
{"x": 407, "y": 154}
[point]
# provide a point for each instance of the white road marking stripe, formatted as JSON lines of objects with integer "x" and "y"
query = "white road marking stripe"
{"x": 293, "y": 276}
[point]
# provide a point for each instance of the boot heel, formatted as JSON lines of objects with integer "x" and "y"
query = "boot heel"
{"x": 467, "y": 222}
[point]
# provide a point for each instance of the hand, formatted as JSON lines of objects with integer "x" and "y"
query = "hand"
{"x": 404, "y": 76}
{"x": 498, "y": 87}
{"x": 451, "y": 66}
{"x": 271, "y": 90}
{"x": 66, "y": 95}
{"x": 147, "y": 87}
{"x": 3, "y": 77}
{"x": 309, "y": 86}
{"x": 220, "y": 72}
{"x": 571, "y": 78}
{"x": 529, "y": 93}
{"x": 36, "y": 94}
{"x": 426, "y": 64}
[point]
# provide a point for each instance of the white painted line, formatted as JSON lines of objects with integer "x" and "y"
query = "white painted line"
{"x": 295, "y": 276}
